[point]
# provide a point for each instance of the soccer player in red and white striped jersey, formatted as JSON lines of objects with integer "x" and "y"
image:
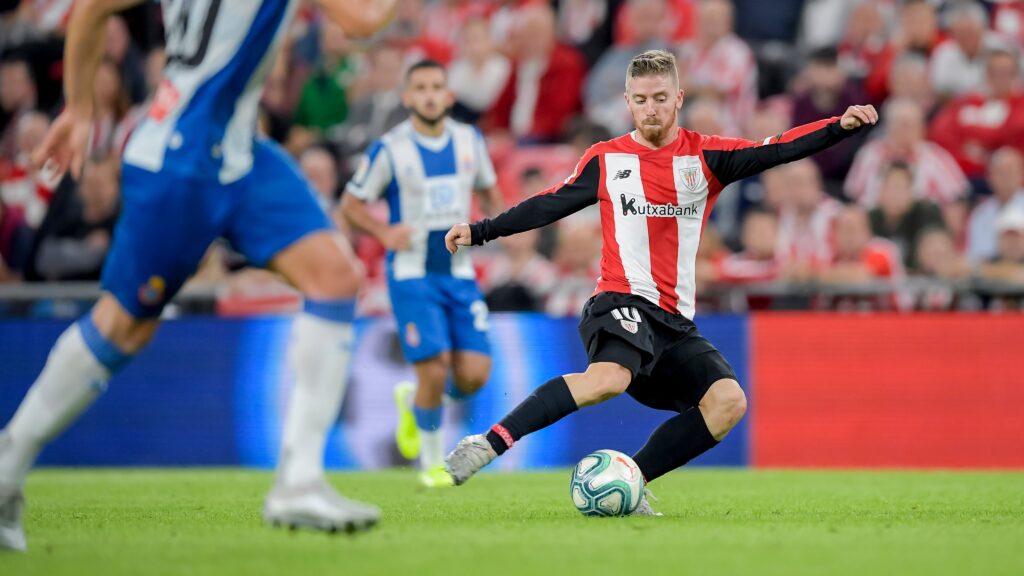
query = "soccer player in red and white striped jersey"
{"x": 655, "y": 188}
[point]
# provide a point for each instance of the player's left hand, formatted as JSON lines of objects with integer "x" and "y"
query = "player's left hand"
{"x": 459, "y": 235}
{"x": 857, "y": 116}
{"x": 64, "y": 146}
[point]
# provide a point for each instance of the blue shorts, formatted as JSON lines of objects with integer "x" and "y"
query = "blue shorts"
{"x": 168, "y": 221}
{"x": 439, "y": 313}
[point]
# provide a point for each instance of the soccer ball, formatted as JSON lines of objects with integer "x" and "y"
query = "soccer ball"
{"x": 606, "y": 483}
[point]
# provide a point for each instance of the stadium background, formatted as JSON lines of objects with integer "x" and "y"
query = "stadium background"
{"x": 869, "y": 329}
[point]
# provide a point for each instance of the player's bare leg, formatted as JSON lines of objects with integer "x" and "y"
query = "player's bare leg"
{"x": 470, "y": 371}
{"x": 77, "y": 370}
{"x": 457, "y": 375}
{"x": 426, "y": 410}
{"x": 321, "y": 266}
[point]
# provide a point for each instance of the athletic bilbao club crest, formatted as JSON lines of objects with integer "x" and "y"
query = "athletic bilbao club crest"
{"x": 690, "y": 177}
{"x": 629, "y": 318}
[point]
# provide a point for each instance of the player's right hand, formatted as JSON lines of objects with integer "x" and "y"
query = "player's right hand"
{"x": 64, "y": 146}
{"x": 397, "y": 237}
{"x": 459, "y": 235}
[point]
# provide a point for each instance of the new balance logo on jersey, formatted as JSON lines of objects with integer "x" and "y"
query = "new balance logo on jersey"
{"x": 622, "y": 174}
{"x": 631, "y": 208}
{"x": 629, "y": 317}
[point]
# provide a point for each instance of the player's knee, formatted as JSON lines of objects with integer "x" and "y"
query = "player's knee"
{"x": 434, "y": 371}
{"x": 127, "y": 333}
{"x": 727, "y": 402}
{"x": 471, "y": 382}
{"x": 607, "y": 381}
{"x": 335, "y": 278}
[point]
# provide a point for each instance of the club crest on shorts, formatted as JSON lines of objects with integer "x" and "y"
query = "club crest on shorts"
{"x": 152, "y": 292}
{"x": 629, "y": 317}
{"x": 412, "y": 335}
{"x": 690, "y": 177}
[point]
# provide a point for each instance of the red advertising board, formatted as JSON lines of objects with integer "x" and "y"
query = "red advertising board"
{"x": 941, "y": 391}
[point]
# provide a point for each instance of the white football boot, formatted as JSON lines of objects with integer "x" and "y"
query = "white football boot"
{"x": 12, "y": 505}
{"x": 317, "y": 506}
{"x": 644, "y": 507}
{"x": 470, "y": 455}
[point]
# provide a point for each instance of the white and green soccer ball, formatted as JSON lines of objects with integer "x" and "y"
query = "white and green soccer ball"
{"x": 606, "y": 483}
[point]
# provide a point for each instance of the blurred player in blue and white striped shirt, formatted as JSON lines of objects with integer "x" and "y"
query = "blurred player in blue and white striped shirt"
{"x": 427, "y": 169}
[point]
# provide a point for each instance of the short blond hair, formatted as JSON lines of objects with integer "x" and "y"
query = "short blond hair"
{"x": 653, "y": 63}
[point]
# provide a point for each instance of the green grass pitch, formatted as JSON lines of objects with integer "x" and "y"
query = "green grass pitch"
{"x": 111, "y": 522}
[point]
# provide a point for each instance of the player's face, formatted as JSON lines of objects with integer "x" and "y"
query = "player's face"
{"x": 427, "y": 95}
{"x": 654, "y": 102}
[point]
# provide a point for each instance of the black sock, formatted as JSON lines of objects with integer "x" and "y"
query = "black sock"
{"x": 677, "y": 441}
{"x": 547, "y": 405}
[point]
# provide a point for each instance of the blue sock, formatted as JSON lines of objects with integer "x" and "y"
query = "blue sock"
{"x": 105, "y": 351}
{"x": 428, "y": 419}
{"x": 340, "y": 311}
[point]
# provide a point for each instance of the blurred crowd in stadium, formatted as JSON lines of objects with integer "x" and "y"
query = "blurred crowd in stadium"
{"x": 928, "y": 206}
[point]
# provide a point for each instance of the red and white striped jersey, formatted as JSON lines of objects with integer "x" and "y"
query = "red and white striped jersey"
{"x": 937, "y": 176}
{"x": 655, "y": 203}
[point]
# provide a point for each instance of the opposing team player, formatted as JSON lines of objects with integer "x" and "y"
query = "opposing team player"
{"x": 427, "y": 169}
{"x": 195, "y": 170}
{"x": 655, "y": 187}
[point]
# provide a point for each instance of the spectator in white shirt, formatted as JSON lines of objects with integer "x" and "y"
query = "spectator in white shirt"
{"x": 958, "y": 64}
{"x": 478, "y": 73}
{"x": 1006, "y": 178}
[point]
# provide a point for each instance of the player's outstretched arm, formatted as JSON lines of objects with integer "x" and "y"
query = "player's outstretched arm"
{"x": 359, "y": 18}
{"x": 64, "y": 146}
{"x": 732, "y": 159}
{"x": 577, "y": 192}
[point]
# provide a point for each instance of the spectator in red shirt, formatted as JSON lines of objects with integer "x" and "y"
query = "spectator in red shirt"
{"x": 757, "y": 261}
{"x": 908, "y": 80}
{"x": 543, "y": 91}
{"x": 860, "y": 257}
{"x": 806, "y": 219}
{"x": 864, "y": 39}
{"x": 24, "y": 186}
{"x": 918, "y": 33}
{"x": 974, "y": 126}
{"x": 936, "y": 174}
{"x": 718, "y": 63}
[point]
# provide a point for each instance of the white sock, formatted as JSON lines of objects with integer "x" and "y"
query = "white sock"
{"x": 318, "y": 357}
{"x": 431, "y": 448}
{"x": 71, "y": 380}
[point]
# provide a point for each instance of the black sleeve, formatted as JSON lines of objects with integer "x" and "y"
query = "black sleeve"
{"x": 575, "y": 194}
{"x": 732, "y": 159}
